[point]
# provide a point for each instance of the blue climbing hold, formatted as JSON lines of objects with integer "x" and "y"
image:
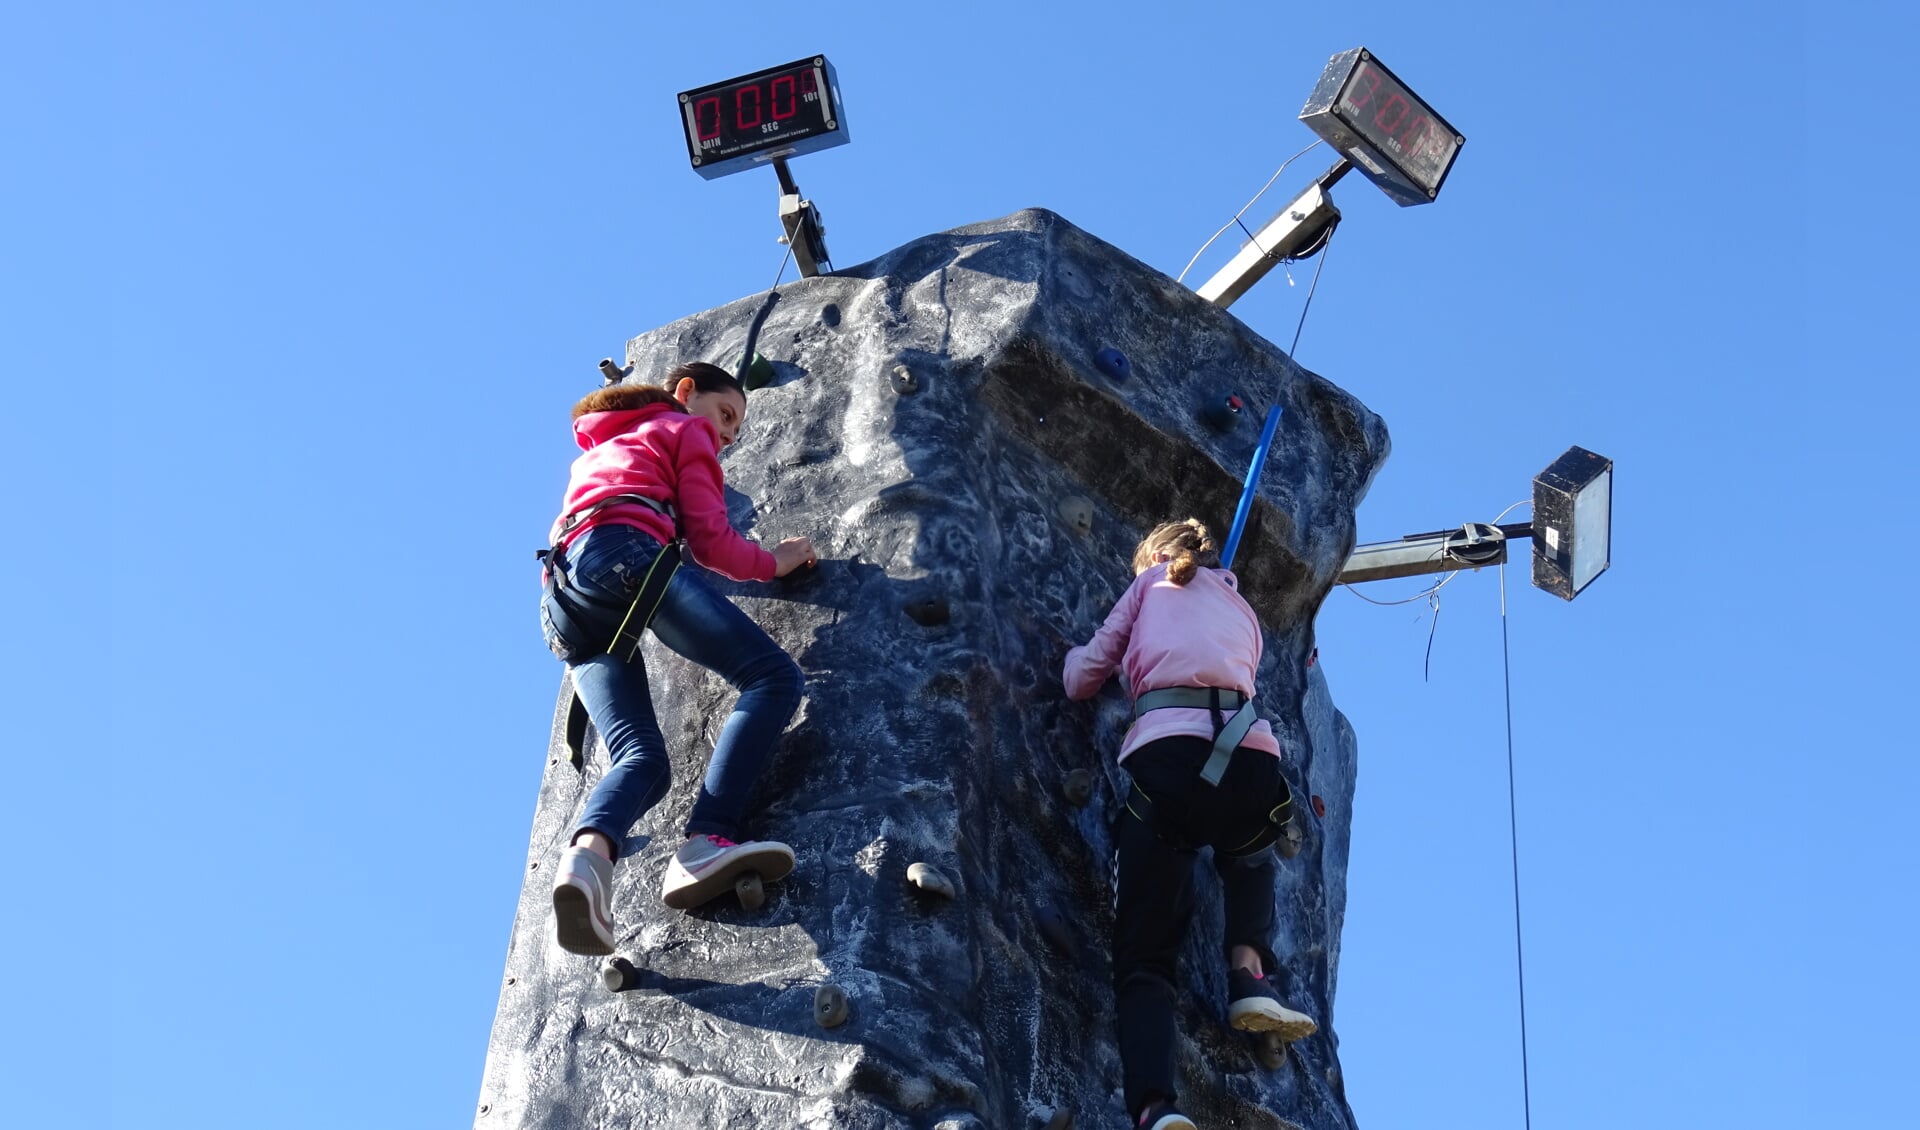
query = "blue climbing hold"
{"x": 1113, "y": 363}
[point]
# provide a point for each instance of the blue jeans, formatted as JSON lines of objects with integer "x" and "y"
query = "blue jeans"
{"x": 705, "y": 627}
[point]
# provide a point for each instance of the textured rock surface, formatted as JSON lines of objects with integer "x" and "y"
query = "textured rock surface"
{"x": 974, "y": 515}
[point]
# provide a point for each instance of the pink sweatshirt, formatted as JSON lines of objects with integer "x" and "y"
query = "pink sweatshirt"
{"x": 1201, "y": 634}
{"x": 670, "y": 455}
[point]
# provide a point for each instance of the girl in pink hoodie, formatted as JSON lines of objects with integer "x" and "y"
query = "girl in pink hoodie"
{"x": 1206, "y": 771}
{"x": 648, "y": 474}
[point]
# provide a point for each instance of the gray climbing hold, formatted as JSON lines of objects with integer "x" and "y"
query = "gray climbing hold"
{"x": 1054, "y": 928}
{"x": 903, "y": 380}
{"x": 618, "y": 974}
{"x": 1113, "y": 363}
{"x": 1078, "y": 787}
{"x": 1270, "y": 1050}
{"x": 748, "y": 890}
{"x": 928, "y": 611}
{"x": 1222, "y": 414}
{"x": 1076, "y": 511}
{"x": 929, "y": 880}
{"x": 830, "y": 1007}
{"x": 1061, "y": 1119}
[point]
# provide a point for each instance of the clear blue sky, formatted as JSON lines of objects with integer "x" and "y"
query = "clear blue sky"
{"x": 296, "y": 297}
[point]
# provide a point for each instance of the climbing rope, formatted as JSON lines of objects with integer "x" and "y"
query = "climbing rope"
{"x": 1513, "y": 834}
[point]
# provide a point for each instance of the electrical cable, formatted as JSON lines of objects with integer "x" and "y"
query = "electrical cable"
{"x": 1513, "y": 832}
{"x": 1243, "y": 211}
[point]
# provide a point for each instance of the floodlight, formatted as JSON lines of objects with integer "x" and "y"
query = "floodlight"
{"x": 1572, "y": 522}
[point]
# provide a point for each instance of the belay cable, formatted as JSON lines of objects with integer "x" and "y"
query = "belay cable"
{"x": 1513, "y": 833}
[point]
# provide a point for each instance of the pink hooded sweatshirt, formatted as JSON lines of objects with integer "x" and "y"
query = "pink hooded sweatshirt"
{"x": 662, "y": 453}
{"x": 1200, "y": 634}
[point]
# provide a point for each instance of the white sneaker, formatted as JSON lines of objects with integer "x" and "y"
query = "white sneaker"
{"x": 705, "y": 867}
{"x": 581, "y": 892}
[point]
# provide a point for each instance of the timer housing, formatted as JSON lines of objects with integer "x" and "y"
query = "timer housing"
{"x": 746, "y": 122}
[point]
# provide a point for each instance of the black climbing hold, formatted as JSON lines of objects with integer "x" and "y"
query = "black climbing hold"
{"x": 1222, "y": 414}
{"x": 1053, "y": 927}
{"x": 928, "y": 611}
{"x": 830, "y": 314}
{"x": 830, "y": 1006}
{"x": 1061, "y": 1119}
{"x": 1270, "y": 1050}
{"x": 1078, "y": 787}
{"x": 1320, "y": 808}
{"x": 618, "y": 974}
{"x": 929, "y": 880}
{"x": 1113, "y": 363}
{"x": 903, "y": 380}
{"x": 748, "y": 890}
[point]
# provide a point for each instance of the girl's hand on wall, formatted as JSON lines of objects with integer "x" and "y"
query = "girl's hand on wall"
{"x": 792, "y": 553}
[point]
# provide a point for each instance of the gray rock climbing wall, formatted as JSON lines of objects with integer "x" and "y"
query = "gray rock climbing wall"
{"x": 975, "y": 486}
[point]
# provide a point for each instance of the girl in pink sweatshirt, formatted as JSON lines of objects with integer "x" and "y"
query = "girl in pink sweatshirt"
{"x": 648, "y": 474}
{"x": 1206, "y": 771}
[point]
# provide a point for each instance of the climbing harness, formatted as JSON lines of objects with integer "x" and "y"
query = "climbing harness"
{"x": 567, "y": 607}
{"x": 1280, "y": 831}
{"x": 1228, "y": 733}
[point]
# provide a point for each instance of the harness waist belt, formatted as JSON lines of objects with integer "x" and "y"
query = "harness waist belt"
{"x": 1227, "y": 735}
{"x": 568, "y": 521}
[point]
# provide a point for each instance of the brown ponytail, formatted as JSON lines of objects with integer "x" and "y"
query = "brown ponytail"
{"x": 1187, "y": 545}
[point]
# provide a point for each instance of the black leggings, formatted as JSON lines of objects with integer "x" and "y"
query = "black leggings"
{"x": 1154, "y": 898}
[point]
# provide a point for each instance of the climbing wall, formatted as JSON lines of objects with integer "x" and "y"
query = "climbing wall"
{"x": 951, "y": 426}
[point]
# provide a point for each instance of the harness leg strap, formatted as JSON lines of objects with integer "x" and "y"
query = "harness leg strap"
{"x": 1226, "y": 742}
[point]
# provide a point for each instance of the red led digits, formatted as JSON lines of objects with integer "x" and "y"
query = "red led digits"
{"x": 1365, "y": 75}
{"x": 740, "y": 107}
{"x": 807, "y": 85}
{"x": 793, "y": 101}
{"x": 1396, "y": 105}
{"x": 706, "y": 118}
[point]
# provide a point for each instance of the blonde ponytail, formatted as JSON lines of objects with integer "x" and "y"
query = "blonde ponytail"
{"x": 1186, "y": 544}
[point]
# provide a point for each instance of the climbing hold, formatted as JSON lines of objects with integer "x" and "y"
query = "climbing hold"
{"x": 830, "y": 314}
{"x": 1077, "y": 512}
{"x": 928, "y": 611}
{"x": 1062, "y": 1119}
{"x": 612, "y": 372}
{"x": 1271, "y": 1051}
{"x": 1113, "y": 363}
{"x": 929, "y": 879}
{"x": 1313, "y": 657}
{"x": 1221, "y": 415}
{"x": 1078, "y": 787}
{"x": 1053, "y": 927}
{"x": 757, "y": 373}
{"x": 748, "y": 890}
{"x": 618, "y": 974}
{"x": 1292, "y": 838}
{"x": 904, "y": 382}
{"x": 1320, "y": 808}
{"x": 830, "y": 1006}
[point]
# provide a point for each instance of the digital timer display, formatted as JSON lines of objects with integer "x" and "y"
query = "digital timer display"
{"x": 1394, "y": 137}
{"x": 780, "y": 112}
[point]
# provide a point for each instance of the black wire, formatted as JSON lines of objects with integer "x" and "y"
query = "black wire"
{"x": 1433, "y": 599}
{"x": 1328, "y": 242}
{"x": 1513, "y": 831}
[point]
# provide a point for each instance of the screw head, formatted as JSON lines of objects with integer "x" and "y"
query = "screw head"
{"x": 683, "y": 98}
{"x": 831, "y": 124}
{"x": 696, "y": 160}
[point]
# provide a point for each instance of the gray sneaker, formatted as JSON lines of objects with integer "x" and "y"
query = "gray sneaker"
{"x": 705, "y": 867}
{"x": 581, "y": 892}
